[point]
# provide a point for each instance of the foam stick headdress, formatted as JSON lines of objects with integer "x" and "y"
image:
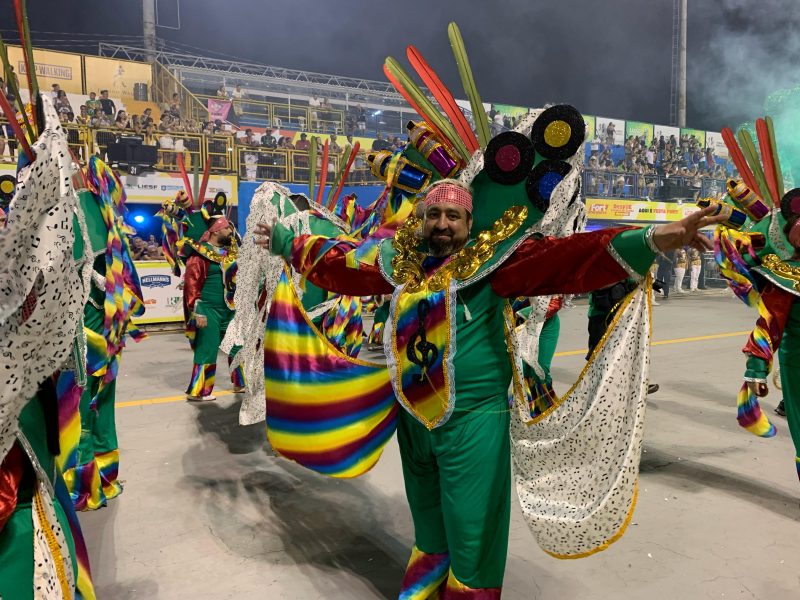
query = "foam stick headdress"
{"x": 513, "y": 175}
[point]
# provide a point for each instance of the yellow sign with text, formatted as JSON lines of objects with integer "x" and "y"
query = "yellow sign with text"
{"x": 52, "y": 67}
{"x": 606, "y": 209}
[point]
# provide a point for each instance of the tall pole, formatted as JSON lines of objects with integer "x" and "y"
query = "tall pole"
{"x": 682, "y": 68}
{"x": 149, "y": 22}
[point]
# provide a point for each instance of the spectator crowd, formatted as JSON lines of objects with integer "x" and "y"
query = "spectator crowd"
{"x": 666, "y": 166}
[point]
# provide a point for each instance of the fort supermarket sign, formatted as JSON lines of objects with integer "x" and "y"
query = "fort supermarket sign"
{"x": 604, "y": 209}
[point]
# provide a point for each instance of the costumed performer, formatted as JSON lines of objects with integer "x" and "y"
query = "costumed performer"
{"x": 42, "y": 554}
{"x": 758, "y": 251}
{"x": 208, "y": 292}
{"x": 454, "y": 434}
{"x": 91, "y": 468}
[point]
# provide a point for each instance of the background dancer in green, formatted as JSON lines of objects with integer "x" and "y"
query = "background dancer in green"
{"x": 209, "y": 286}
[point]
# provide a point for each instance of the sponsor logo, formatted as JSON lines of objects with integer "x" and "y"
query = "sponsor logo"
{"x": 155, "y": 281}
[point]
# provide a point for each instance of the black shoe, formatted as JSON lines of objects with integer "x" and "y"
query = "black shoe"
{"x": 652, "y": 388}
{"x": 780, "y": 410}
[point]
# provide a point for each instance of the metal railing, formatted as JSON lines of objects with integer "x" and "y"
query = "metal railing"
{"x": 165, "y": 85}
{"x": 280, "y": 115}
{"x": 620, "y": 184}
{"x": 257, "y": 163}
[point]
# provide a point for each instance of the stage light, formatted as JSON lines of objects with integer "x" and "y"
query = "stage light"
{"x": 138, "y": 219}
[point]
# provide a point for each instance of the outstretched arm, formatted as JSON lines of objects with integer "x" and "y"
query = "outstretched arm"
{"x": 328, "y": 271}
{"x": 572, "y": 265}
{"x": 587, "y": 261}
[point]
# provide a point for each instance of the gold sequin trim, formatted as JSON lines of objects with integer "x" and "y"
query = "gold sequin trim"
{"x": 52, "y": 544}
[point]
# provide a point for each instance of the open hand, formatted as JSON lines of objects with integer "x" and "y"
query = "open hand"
{"x": 263, "y": 234}
{"x": 686, "y": 232}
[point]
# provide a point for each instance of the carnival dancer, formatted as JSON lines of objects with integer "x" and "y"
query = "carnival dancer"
{"x": 91, "y": 468}
{"x": 680, "y": 269}
{"x": 209, "y": 287}
{"x": 41, "y": 547}
{"x": 695, "y": 265}
{"x": 456, "y": 457}
{"x": 778, "y": 327}
{"x": 758, "y": 251}
{"x": 540, "y": 384}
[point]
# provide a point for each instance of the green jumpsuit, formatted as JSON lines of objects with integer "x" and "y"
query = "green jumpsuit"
{"x": 212, "y": 305}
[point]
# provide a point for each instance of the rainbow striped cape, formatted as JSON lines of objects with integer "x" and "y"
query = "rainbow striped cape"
{"x": 325, "y": 410}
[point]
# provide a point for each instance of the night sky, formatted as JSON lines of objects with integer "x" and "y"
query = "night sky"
{"x": 607, "y": 57}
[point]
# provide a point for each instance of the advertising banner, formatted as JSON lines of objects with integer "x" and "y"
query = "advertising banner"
{"x": 637, "y": 210}
{"x": 640, "y": 130}
{"x": 124, "y": 79}
{"x": 156, "y": 187}
{"x": 715, "y": 142}
{"x": 610, "y": 131}
{"x": 667, "y": 132}
{"x": 162, "y": 291}
{"x": 218, "y": 109}
{"x": 700, "y": 136}
{"x": 511, "y": 110}
{"x": 52, "y": 67}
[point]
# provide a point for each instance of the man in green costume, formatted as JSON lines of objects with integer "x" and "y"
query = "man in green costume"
{"x": 209, "y": 287}
{"x": 448, "y": 294}
{"x": 91, "y": 469}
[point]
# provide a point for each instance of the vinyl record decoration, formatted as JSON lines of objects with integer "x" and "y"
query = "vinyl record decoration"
{"x": 543, "y": 180}
{"x": 220, "y": 203}
{"x": 558, "y": 132}
{"x": 790, "y": 203}
{"x": 7, "y": 186}
{"x": 508, "y": 158}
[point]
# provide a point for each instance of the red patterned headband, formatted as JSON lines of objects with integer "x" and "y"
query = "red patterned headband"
{"x": 451, "y": 193}
{"x": 217, "y": 224}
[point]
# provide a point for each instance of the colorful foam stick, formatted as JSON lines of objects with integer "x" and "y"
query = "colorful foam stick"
{"x": 734, "y": 218}
{"x": 397, "y": 171}
{"x": 424, "y": 139}
{"x": 443, "y": 96}
{"x": 468, "y": 81}
{"x": 747, "y": 200}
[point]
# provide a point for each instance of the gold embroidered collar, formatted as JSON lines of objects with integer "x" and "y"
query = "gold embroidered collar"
{"x": 781, "y": 269}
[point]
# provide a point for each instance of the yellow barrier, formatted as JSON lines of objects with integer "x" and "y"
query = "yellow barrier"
{"x": 220, "y": 153}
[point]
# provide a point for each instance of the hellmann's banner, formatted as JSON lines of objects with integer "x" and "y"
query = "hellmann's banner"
{"x": 605, "y": 209}
{"x": 162, "y": 293}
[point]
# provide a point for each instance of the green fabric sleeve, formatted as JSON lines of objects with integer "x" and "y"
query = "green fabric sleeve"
{"x": 756, "y": 367}
{"x": 281, "y": 241}
{"x": 633, "y": 249}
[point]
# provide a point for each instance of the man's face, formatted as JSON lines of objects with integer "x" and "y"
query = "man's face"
{"x": 225, "y": 236}
{"x": 92, "y": 96}
{"x": 446, "y": 228}
{"x": 104, "y": 95}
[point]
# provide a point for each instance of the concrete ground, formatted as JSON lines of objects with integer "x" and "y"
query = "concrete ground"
{"x": 209, "y": 512}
